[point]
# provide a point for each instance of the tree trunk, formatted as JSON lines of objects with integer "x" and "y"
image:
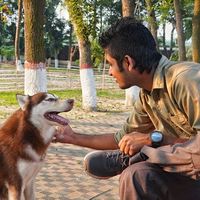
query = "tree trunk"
{"x": 35, "y": 67}
{"x": 152, "y": 21}
{"x": 128, "y": 8}
{"x": 18, "y": 63}
{"x": 166, "y": 52}
{"x": 196, "y": 32}
{"x": 87, "y": 76}
{"x": 173, "y": 22}
{"x": 131, "y": 94}
{"x": 56, "y": 62}
{"x": 94, "y": 20}
{"x": 86, "y": 72}
{"x": 179, "y": 29}
{"x": 164, "y": 38}
{"x": 69, "y": 64}
{"x": 72, "y": 52}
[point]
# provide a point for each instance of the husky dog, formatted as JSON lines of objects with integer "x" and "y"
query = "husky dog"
{"x": 24, "y": 139}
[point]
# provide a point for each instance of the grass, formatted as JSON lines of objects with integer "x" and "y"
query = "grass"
{"x": 9, "y": 98}
{"x": 7, "y": 66}
{"x": 108, "y": 101}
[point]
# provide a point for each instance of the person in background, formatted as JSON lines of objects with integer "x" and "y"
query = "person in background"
{"x": 157, "y": 151}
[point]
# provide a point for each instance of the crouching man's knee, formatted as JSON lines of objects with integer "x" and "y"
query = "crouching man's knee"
{"x": 139, "y": 181}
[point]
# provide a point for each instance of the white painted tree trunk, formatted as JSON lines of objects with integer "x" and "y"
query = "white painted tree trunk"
{"x": 56, "y": 63}
{"x": 48, "y": 62}
{"x": 69, "y": 64}
{"x": 19, "y": 66}
{"x": 35, "y": 79}
{"x": 5, "y": 59}
{"x": 88, "y": 89}
{"x": 132, "y": 94}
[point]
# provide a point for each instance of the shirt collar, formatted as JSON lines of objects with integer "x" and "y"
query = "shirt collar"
{"x": 158, "y": 78}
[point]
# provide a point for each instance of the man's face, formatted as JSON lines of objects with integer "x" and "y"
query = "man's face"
{"x": 123, "y": 78}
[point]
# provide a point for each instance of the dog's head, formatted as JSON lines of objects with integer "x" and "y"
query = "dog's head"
{"x": 43, "y": 108}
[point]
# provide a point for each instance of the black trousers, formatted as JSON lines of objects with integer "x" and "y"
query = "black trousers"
{"x": 146, "y": 181}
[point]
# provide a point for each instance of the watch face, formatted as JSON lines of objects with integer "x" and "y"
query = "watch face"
{"x": 156, "y": 136}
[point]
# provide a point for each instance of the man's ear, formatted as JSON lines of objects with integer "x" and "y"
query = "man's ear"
{"x": 129, "y": 62}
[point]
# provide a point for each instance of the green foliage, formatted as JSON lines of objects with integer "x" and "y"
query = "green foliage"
{"x": 5, "y": 11}
{"x": 93, "y": 16}
{"x": 75, "y": 10}
{"x": 174, "y": 56}
{"x": 97, "y": 53}
{"x": 55, "y": 29}
{"x": 7, "y": 51}
{"x": 76, "y": 62}
{"x": 7, "y": 26}
{"x": 187, "y": 11}
{"x": 165, "y": 10}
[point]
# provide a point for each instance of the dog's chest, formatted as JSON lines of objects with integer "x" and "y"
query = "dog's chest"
{"x": 28, "y": 169}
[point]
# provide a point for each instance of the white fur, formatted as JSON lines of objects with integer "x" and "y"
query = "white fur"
{"x": 28, "y": 171}
{"x": 32, "y": 153}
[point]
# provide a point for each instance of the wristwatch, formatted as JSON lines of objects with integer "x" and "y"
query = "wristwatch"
{"x": 156, "y": 138}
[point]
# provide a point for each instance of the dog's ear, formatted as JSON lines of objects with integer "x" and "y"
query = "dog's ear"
{"x": 22, "y": 99}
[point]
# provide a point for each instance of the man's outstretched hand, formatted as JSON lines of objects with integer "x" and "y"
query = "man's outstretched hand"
{"x": 63, "y": 134}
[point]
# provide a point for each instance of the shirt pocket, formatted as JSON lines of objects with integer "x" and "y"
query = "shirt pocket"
{"x": 181, "y": 124}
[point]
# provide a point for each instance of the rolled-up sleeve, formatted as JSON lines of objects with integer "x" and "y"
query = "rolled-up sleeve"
{"x": 138, "y": 121}
{"x": 181, "y": 158}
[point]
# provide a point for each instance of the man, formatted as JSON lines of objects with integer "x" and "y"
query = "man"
{"x": 159, "y": 144}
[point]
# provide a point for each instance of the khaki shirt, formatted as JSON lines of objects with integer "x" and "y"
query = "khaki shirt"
{"x": 173, "y": 105}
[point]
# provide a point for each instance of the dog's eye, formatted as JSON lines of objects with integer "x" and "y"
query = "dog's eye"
{"x": 51, "y": 99}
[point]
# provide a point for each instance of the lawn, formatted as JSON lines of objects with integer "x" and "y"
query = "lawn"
{"x": 9, "y": 98}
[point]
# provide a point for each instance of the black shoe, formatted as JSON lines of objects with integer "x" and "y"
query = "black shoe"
{"x": 105, "y": 164}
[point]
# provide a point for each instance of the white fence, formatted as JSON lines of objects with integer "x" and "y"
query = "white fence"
{"x": 59, "y": 79}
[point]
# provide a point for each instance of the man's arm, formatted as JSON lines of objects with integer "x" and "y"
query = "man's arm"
{"x": 65, "y": 134}
{"x": 100, "y": 142}
{"x": 133, "y": 142}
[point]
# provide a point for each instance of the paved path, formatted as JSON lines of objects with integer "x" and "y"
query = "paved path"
{"x": 63, "y": 177}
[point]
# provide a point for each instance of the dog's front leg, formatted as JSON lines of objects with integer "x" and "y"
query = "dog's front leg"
{"x": 13, "y": 193}
{"x": 29, "y": 192}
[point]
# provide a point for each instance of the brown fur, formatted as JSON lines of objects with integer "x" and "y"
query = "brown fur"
{"x": 23, "y": 145}
{"x": 15, "y": 134}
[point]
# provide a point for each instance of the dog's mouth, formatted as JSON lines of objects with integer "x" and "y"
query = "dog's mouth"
{"x": 53, "y": 116}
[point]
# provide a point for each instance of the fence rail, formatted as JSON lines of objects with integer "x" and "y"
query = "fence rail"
{"x": 59, "y": 79}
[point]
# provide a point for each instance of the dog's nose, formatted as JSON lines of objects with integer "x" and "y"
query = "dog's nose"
{"x": 70, "y": 101}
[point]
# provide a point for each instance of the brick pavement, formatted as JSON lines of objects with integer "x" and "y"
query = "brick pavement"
{"x": 63, "y": 177}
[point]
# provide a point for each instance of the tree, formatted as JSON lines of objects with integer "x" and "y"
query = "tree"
{"x": 19, "y": 66}
{"x": 7, "y": 29}
{"x": 55, "y": 30}
{"x": 196, "y": 32}
{"x": 128, "y": 8}
{"x": 131, "y": 94}
{"x": 75, "y": 10}
{"x": 35, "y": 68}
{"x": 180, "y": 32}
{"x": 152, "y": 20}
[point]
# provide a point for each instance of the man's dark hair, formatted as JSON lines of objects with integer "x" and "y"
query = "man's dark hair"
{"x": 130, "y": 37}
